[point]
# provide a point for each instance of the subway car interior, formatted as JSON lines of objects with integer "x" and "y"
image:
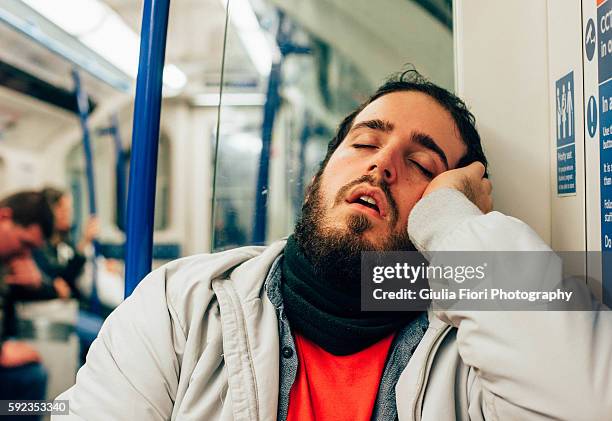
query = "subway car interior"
{"x": 143, "y": 166}
{"x": 246, "y": 86}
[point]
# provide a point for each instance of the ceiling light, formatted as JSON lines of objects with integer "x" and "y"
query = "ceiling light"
{"x": 230, "y": 100}
{"x": 98, "y": 27}
{"x": 260, "y": 50}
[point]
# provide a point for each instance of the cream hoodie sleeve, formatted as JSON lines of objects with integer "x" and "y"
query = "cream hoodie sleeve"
{"x": 132, "y": 367}
{"x": 531, "y": 365}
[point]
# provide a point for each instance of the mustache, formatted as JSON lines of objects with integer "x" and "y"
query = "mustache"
{"x": 372, "y": 181}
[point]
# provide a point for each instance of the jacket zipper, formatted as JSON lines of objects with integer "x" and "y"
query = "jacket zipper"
{"x": 441, "y": 334}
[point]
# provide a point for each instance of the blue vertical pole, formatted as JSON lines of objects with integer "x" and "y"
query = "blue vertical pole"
{"x": 261, "y": 192}
{"x": 83, "y": 107}
{"x": 270, "y": 109}
{"x": 298, "y": 191}
{"x": 145, "y": 140}
{"x": 120, "y": 182}
{"x": 283, "y": 40}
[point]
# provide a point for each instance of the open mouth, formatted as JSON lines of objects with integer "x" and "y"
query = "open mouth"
{"x": 368, "y": 201}
{"x": 372, "y": 200}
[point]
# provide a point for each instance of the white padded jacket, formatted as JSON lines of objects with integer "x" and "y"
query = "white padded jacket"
{"x": 198, "y": 340}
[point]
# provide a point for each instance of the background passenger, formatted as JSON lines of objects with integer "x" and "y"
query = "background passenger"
{"x": 25, "y": 221}
{"x": 59, "y": 258}
{"x": 63, "y": 261}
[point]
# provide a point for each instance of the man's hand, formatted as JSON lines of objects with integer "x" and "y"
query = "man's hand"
{"x": 16, "y": 353}
{"x": 23, "y": 271}
{"x": 469, "y": 181}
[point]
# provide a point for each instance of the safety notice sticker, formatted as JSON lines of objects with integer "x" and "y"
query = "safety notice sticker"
{"x": 604, "y": 69}
{"x": 566, "y": 135}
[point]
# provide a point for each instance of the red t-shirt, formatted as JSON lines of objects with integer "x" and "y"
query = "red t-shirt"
{"x": 338, "y": 388}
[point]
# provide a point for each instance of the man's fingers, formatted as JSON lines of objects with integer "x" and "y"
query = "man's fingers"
{"x": 489, "y": 204}
{"x": 476, "y": 169}
{"x": 487, "y": 186}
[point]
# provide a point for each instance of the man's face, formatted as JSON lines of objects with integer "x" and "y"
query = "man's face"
{"x": 396, "y": 145}
{"x": 16, "y": 240}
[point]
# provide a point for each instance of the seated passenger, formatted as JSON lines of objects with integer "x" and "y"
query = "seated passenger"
{"x": 25, "y": 221}
{"x": 63, "y": 261}
{"x": 59, "y": 258}
{"x": 277, "y": 332}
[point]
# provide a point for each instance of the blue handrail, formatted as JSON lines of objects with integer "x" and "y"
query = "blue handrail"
{"x": 120, "y": 168}
{"x": 273, "y": 100}
{"x": 270, "y": 109}
{"x": 145, "y": 141}
{"x": 263, "y": 176}
{"x": 83, "y": 107}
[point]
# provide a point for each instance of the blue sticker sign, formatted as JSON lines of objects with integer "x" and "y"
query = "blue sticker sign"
{"x": 592, "y": 116}
{"x": 604, "y": 33}
{"x": 604, "y": 67}
{"x": 605, "y": 162}
{"x": 566, "y": 170}
{"x": 589, "y": 39}
{"x": 566, "y": 135}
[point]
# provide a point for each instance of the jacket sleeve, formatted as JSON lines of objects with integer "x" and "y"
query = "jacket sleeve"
{"x": 132, "y": 368}
{"x": 531, "y": 364}
{"x": 49, "y": 264}
{"x": 46, "y": 291}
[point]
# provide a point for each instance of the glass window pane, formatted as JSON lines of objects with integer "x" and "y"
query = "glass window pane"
{"x": 293, "y": 70}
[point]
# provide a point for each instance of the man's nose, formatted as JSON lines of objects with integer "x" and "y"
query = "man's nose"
{"x": 382, "y": 165}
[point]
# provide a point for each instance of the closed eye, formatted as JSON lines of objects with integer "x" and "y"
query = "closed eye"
{"x": 423, "y": 170}
{"x": 363, "y": 146}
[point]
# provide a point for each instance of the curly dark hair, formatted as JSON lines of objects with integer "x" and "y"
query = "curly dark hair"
{"x": 412, "y": 80}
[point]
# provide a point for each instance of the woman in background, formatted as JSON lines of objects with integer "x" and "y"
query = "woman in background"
{"x": 59, "y": 258}
{"x": 63, "y": 261}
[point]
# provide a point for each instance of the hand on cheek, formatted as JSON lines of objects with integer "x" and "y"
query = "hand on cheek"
{"x": 468, "y": 180}
{"x": 24, "y": 272}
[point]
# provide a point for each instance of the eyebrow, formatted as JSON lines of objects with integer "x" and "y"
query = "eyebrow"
{"x": 427, "y": 142}
{"x": 376, "y": 124}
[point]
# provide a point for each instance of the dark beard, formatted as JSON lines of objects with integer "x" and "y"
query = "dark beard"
{"x": 336, "y": 253}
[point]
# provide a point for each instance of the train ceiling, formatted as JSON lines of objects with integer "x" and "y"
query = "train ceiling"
{"x": 195, "y": 46}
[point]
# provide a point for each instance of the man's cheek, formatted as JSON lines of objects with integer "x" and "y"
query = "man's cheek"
{"x": 419, "y": 189}
{"x": 406, "y": 206}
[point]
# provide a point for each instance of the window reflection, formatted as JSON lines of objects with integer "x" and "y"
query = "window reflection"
{"x": 326, "y": 58}
{"x": 105, "y": 169}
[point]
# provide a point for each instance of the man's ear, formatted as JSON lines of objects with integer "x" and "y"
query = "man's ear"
{"x": 6, "y": 213}
{"x": 309, "y": 189}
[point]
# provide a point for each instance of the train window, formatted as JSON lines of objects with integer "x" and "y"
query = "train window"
{"x": 162, "y": 193}
{"x": 105, "y": 177}
{"x": 162, "y": 183}
{"x": 239, "y": 149}
{"x": 104, "y": 156}
{"x": 293, "y": 70}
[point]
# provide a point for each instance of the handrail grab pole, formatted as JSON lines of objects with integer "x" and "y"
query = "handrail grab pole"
{"x": 145, "y": 140}
{"x": 82, "y": 100}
